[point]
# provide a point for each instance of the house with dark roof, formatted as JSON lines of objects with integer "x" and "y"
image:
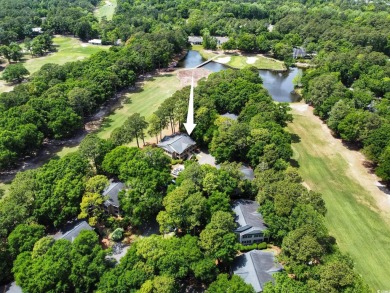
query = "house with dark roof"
{"x": 72, "y": 230}
{"x": 198, "y": 40}
{"x": 230, "y": 116}
{"x": 256, "y": 268}
{"x": 195, "y": 40}
{"x": 111, "y": 205}
{"x": 250, "y": 221}
{"x": 299, "y": 53}
{"x": 178, "y": 146}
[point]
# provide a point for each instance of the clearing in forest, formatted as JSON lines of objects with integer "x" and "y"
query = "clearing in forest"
{"x": 106, "y": 9}
{"x": 358, "y": 211}
{"x": 68, "y": 49}
{"x": 145, "y": 100}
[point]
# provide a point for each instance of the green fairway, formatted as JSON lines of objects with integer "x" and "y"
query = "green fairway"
{"x": 241, "y": 61}
{"x": 68, "y": 49}
{"x": 106, "y": 9}
{"x": 145, "y": 102}
{"x": 353, "y": 217}
{"x": 206, "y": 54}
{"x": 258, "y": 61}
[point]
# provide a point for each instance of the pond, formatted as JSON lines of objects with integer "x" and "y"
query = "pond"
{"x": 278, "y": 84}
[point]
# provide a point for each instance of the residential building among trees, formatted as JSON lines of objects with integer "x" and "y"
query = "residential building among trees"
{"x": 251, "y": 224}
{"x": 111, "y": 205}
{"x": 178, "y": 146}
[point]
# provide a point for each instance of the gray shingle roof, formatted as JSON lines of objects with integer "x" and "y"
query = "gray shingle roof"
{"x": 72, "y": 231}
{"x": 112, "y": 192}
{"x": 247, "y": 172}
{"x": 195, "y": 39}
{"x": 256, "y": 268}
{"x": 178, "y": 143}
{"x": 247, "y": 215}
{"x": 230, "y": 116}
{"x": 222, "y": 40}
{"x": 299, "y": 52}
{"x": 11, "y": 288}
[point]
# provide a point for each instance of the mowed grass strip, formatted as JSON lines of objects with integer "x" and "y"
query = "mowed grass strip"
{"x": 145, "y": 102}
{"x": 68, "y": 49}
{"x": 240, "y": 61}
{"x": 261, "y": 62}
{"x": 359, "y": 230}
{"x": 106, "y": 9}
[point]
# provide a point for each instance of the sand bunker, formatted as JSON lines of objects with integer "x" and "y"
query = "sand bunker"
{"x": 223, "y": 60}
{"x": 299, "y": 107}
{"x": 251, "y": 60}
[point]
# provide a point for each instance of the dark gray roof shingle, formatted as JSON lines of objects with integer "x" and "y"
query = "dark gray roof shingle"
{"x": 230, "y": 116}
{"x": 112, "y": 192}
{"x": 73, "y": 230}
{"x": 256, "y": 268}
{"x": 177, "y": 143}
{"x": 248, "y": 215}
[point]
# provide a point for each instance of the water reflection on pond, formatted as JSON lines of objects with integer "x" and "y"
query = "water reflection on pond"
{"x": 278, "y": 84}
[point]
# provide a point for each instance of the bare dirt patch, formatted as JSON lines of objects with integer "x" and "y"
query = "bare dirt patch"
{"x": 185, "y": 76}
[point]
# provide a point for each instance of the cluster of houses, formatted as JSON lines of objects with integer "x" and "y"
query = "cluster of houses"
{"x": 198, "y": 40}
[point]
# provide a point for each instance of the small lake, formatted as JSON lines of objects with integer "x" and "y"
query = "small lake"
{"x": 278, "y": 84}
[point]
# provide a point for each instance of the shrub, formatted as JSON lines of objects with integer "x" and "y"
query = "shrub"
{"x": 244, "y": 248}
{"x": 175, "y": 162}
{"x": 117, "y": 235}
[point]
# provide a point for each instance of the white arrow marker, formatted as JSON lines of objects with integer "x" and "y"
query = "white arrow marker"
{"x": 190, "y": 115}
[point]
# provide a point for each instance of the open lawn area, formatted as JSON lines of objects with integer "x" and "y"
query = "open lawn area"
{"x": 68, "y": 49}
{"x": 258, "y": 61}
{"x": 358, "y": 211}
{"x": 240, "y": 61}
{"x": 106, "y": 9}
{"x": 145, "y": 102}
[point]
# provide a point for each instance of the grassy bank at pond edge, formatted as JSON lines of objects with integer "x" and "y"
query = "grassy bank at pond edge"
{"x": 240, "y": 61}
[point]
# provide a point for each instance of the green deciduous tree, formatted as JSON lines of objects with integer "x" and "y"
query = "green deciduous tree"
{"x": 23, "y": 238}
{"x": 225, "y": 285}
{"x": 15, "y": 73}
{"x": 218, "y": 239}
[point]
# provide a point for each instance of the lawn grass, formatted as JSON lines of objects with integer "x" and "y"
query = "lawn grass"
{"x": 145, "y": 102}
{"x": 261, "y": 62}
{"x": 352, "y": 217}
{"x": 68, "y": 49}
{"x": 206, "y": 54}
{"x": 106, "y": 9}
{"x": 241, "y": 61}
